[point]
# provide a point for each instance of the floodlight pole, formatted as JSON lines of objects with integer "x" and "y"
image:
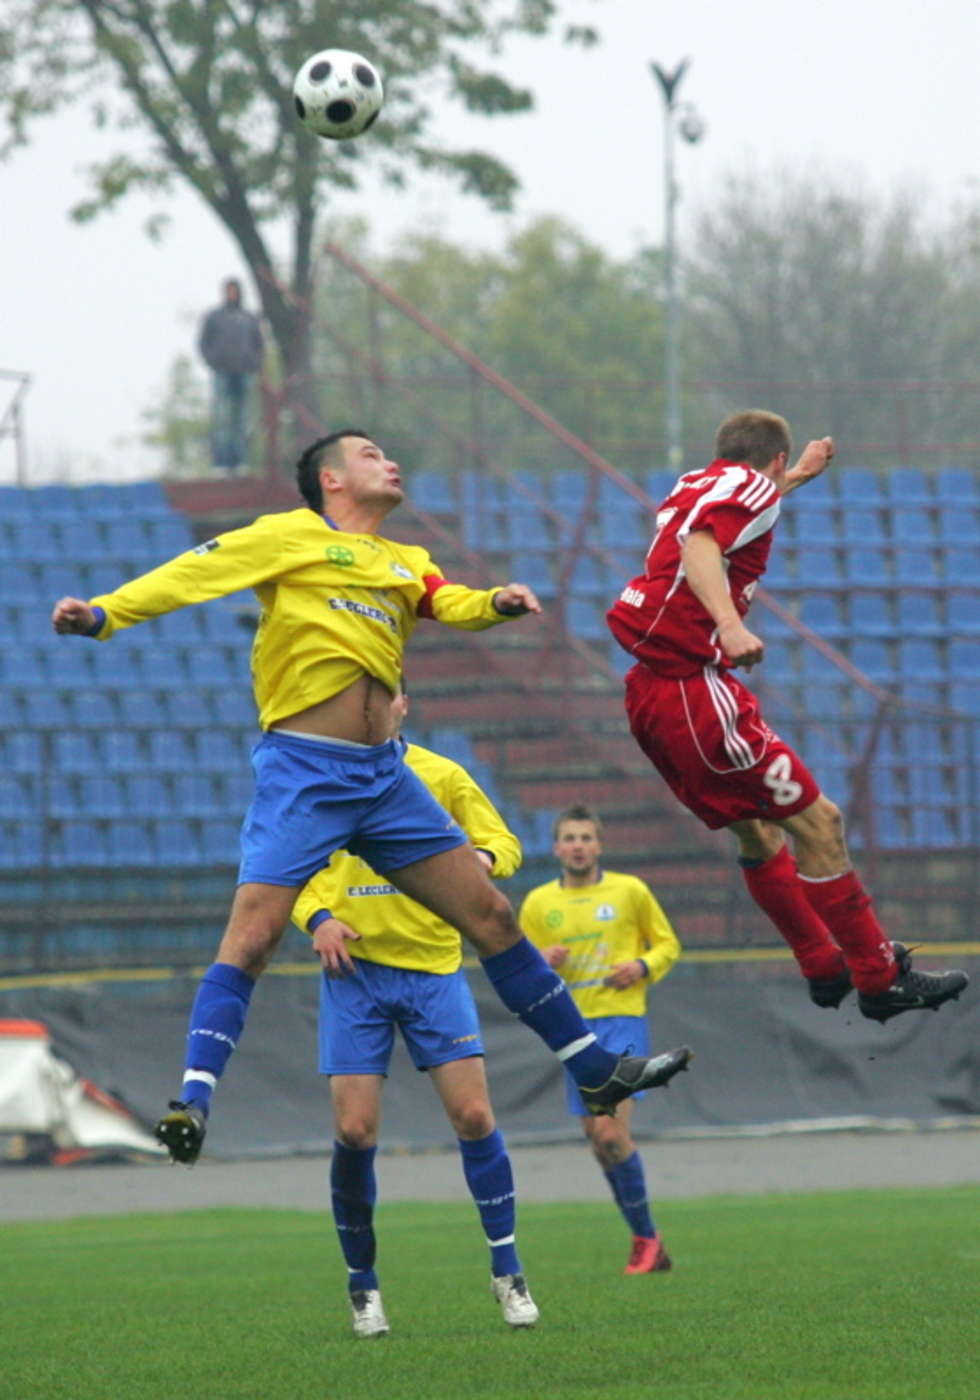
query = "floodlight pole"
{"x": 669, "y": 84}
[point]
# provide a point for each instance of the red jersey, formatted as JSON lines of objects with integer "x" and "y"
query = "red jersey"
{"x": 657, "y": 617}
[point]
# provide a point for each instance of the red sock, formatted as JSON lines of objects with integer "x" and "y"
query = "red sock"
{"x": 846, "y": 909}
{"x": 776, "y": 887}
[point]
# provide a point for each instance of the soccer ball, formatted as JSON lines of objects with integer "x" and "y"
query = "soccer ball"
{"x": 338, "y": 94}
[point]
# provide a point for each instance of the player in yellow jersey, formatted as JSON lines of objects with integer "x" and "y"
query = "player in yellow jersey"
{"x": 610, "y": 939}
{"x": 338, "y": 603}
{"x": 388, "y": 962}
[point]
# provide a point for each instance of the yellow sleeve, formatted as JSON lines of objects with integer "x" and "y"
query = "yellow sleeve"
{"x": 483, "y": 824}
{"x": 662, "y": 942}
{"x": 456, "y": 605}
{"x": 232, "y": 561}
{"x": 320, "y": 892}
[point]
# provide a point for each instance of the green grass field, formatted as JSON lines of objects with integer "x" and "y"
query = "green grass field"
{"x": 839, "y": 1296}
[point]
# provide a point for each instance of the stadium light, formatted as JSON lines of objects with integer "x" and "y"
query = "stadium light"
{"x": 685, "y": 120}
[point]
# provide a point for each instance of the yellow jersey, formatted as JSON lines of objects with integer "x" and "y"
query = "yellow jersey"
{"x": 613, "y": 921}
{"x": 334, "y": 606}
{"x": 395, "y": 930}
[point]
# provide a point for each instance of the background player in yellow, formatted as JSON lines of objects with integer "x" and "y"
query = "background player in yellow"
{"x": 389, "y": 962}
{"x": 609, "y": 938}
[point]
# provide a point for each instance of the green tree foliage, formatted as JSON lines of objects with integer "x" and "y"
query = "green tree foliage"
{"x": 208, "y": 82}
{"x": 827, "y": 301}
{"x": 577, "y": 330}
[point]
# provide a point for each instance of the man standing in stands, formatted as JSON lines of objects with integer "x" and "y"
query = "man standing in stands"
{"x": 338, "y": 603}
{"x": 230, "y": 342}
{"x": 681, "y": 621}
{"x": 388, "y": 962}
{"x": 610, "y": 939}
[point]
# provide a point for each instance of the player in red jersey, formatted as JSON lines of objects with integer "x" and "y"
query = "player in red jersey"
{"x": 681, "y": 620}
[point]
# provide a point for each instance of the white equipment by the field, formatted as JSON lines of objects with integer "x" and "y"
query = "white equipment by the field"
{"x": 50, "y": 1113}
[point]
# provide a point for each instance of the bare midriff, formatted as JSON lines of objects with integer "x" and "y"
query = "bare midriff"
{"x": 361, "y": 714}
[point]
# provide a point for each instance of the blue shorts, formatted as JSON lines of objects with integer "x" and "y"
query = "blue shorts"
{"x": 435, "y": 1013}
{"x": 313, "y": 797}
{"x": 623, "y": 1035}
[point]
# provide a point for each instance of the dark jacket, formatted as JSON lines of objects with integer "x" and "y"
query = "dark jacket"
{"x": 231, "y": 340}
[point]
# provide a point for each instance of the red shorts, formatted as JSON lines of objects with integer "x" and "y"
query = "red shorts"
{"x": 705, "y": 736}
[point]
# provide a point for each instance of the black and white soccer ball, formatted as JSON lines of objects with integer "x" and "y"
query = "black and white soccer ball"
{"x": 338, "y": 94}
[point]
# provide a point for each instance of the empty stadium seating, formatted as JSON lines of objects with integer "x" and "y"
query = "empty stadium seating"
{"x": 136, "y": 753}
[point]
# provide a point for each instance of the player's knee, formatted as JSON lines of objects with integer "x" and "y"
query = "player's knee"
{"x": 356, "y": 1131}
{"x": 473, "y": 1120}
{"x": 608, "y": 1143}
{"x": 825, "y": 822}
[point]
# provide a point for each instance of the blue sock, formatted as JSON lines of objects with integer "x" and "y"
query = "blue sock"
{"x": 533, "y": 991}
{"x": 487, "y": 1169}
{"x": 216, "y": 1023}
{"x": 629, "y": 1188}
{"x": 354, "y": 1190}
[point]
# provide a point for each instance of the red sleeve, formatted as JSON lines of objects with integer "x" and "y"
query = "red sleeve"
{"x": 433, "y": 582}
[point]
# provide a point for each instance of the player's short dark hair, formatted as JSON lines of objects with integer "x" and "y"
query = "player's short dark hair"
{"x": 754, "y": 436}
{"x": 577, "y": 812}
{"x": 312, "y": 458}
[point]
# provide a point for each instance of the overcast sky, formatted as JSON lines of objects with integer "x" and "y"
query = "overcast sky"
{"x": 880, "y": 94}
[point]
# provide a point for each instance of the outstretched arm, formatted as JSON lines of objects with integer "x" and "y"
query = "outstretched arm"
{"x": 813, "y": 460}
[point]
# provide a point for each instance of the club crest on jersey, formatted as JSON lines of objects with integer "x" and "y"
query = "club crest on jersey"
{"x": 605, "y": 912}
{"x": 339, "y": 554}
{"x": 554, "y": 918}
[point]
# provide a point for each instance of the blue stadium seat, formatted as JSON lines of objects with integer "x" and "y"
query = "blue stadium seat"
{"x": 120, "y": 751}
{"x": 101, "y": 578}
{"x": 865, "y": 565}
{"x": 81, "y": 541}
{"x": 19, "y": 796}
{"x": 820, "y": 568}
{"x": 964, "y": 697}
{"x": 826, "y": 700}
{"x": 167, "y": 538}
{"x": 126, "y": 538}
{"x": 34, "y": 541}
{"x": 20, "y": 582}
{"x": 129, "y": 843}
{"x": 913, "y": 526}
{"x": 959, "y": 526}
{"x": 860, "y": 486}
{"x": 779, "y": 573}
{"x": 170, "y": 752}
{"x": 190, "y": 709}
{"x": 909, "y": 486}
{"x": 93, "y": 709}
{"x": 143, "y": 498}
{"x": 536, "y": 571}
{"x": 961, "y": 566}
{"x": 872, "y": 615}
{"x": 625, "y": 528}
{"x": 235, "y": 791}
{"x": 935, "y": 827}
{"x": 56, "y": 501}
{"x": 874, "y": 659}
{"x": 209, "y": 666}
{"x": 176, "y": 842}
{"x": 864, "y": 525}
{"x": 957, "y": 486}
{"x": 454, "y": 744}
{"x": 525, "y": 526}
{"x": 11, "y": 708}
{"x": 921, "y": 615}
{"x": 589, "y": 579}
{"x": 233, "y": 707}
{"x": 780, "y": 661}
{"x": 44, "y": 708}
{"x": 822, "y": 612}
{"x": 923, "y": 692}
{"x": 659, "y": 485}
{"x": 964, "y": 659}
{"x": 101, "y": 795}
{"x": 22, "y": 844}
{"x": 584, "y": 619}
{"x": 196, "y": 795}
{"x": 219, "y": 842}
{"x": 814, "y": 525}
{"x": 915, "y": 567}
{"x": 16, "y": 503}
{"x": 141, "y": 709}
{"x": 181, "y": 628}
{"x": 21, "y": 751}
{"x": 217, "y": 751}
{"x": 81, "y": 842}
{"x": 162, "y": 667}
{"x": 921, "y": 659}
{"x": 569, "y": 489}
{"x": 149, "y": 794}
{"x": 432, "y": 492}
{"x": 962, "y": 614}
{"x": 24, "y": 665}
